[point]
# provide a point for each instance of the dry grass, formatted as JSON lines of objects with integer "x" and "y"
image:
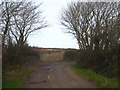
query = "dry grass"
{"x": 52, "y": 57}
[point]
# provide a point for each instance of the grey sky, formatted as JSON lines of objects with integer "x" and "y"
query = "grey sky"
{"x": 52, "y": 36}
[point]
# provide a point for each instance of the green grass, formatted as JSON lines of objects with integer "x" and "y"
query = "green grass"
{"x": 99, "y": 80}
{"x": 45, "y": 58}
{"x": 15, "y": 78}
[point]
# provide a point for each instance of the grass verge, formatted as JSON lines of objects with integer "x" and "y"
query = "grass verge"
{"x": 99, "y": 80}
{"x": 16, "y": 77}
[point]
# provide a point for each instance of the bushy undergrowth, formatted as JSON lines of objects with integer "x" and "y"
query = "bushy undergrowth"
{"x": 15, "y": 55}
{"x": 18, "y": 63}
{"x": 104, "y": 62}
{"x": 70, "y": 55}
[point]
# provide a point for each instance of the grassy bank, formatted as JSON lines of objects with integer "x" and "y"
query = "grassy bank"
{"x": 99, "y": 80}
{"x": 16, "y": 77}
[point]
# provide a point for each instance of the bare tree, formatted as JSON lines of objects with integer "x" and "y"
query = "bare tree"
{"x": 92, "y": 23}
{"x": 20, "y": 19}
{"x": 7, "y": 8}
{"x": 28, "y": 20}
{"x": 77, "y": 18}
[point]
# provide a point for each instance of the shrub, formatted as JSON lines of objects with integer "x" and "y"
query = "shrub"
{"x": 15, "y": 55}
{"x": 70, "y": 55}
{"x": 101, "y": 61}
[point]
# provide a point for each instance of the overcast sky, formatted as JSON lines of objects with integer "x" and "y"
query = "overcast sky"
{"x": 53, "y": 36}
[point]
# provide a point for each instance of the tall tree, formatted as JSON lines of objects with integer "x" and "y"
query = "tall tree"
{"x": 7, "y": 8}
{"x": 28, "y": 20}
{"x": 20, "y": 19}
{"x": 92, "y": 23}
